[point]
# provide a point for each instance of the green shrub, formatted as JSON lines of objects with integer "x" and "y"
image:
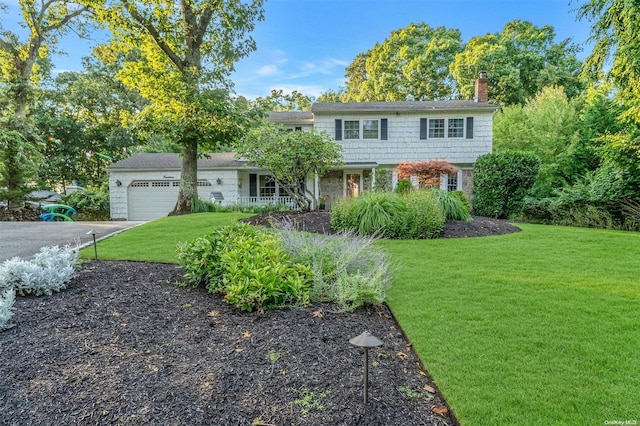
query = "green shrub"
{"x": 248, "y": 266}
{"x": 453, "y": 206}
{"x": 423, "y": 217}
{"x": 200, "y": 259}
{"x": 460, "y": 195}
{"x": 206, "y": 206}
{"x": 370, "y": 214}
{"x": 404, "y": 186}
{"x": 347, "y": 269}
{"x": 501, "y": 182}
{"x": 91, "y": 204}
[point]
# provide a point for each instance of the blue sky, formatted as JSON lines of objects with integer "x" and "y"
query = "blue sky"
{"x": 305, "y": 45}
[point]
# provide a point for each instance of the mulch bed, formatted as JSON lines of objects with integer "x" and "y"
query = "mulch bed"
{"x": 320, "y": 222}
{"x": 122, "y": 345}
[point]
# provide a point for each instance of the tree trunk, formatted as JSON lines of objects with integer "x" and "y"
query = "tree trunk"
{"x": 188, "y": 179}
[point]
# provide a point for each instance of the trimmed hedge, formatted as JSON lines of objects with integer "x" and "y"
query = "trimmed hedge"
{"x": 501, "y": 181}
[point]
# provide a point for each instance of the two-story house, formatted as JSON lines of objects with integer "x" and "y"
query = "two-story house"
{"x": 373, "y": 135}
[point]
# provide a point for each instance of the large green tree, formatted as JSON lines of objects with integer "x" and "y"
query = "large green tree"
{"x": 412, "y": 64}
{"x": 292, "y": 157}
{"x": 519, "y": 61}
{"x": 179, "y": 56}
{"x": 24, "y": 60}
{"x": 81, "y": 115}
{"x": 616, "y": 33}
{"x": 278, "y": 100}
{"x": 546, "y": 125}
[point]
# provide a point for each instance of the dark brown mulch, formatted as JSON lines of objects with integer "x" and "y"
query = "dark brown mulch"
{"x": 123, "y": 346}
{"x": 320, "y": 222}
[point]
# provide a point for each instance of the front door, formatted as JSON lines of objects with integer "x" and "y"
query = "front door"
{"x": 353, "y": 184}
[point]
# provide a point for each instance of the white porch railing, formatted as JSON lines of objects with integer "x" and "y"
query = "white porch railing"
{"x": 266, "y": 201}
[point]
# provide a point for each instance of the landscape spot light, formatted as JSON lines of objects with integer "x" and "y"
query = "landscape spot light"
{"x": 95, "y": 247}
{"x": 366, "y": 340}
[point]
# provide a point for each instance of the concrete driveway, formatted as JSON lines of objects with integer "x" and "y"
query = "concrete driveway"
{"x": 24, "y": 239}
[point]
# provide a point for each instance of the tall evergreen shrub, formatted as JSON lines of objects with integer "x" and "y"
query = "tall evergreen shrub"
{"x": 501, "y": 181}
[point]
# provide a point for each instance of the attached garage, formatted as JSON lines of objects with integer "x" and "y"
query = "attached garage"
{"x": 151, "y": 199}
{"x": 146, "y": 186}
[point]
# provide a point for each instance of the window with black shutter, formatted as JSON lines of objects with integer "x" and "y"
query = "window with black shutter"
{"x": 253, "y": 185}
{"x": 383, "y": 129}
{"x": 338, "y": 129}
{"x": 469, "y": 127}
{"x": 423, "y": 128}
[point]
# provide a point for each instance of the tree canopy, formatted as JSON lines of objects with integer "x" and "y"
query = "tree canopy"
{"x": 615, "y": 29}
{"x": 519, "y": 61}
{"x": 547, "y": 126}
{"x": 412, "y": 64}
{"x": 292, "y": 157}
{"x": 179, "y": 55}
{"x": 280, "y": 101}
{"x": 23, "y": 63}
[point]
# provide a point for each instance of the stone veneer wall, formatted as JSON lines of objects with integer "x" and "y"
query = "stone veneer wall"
{"x": 331, "y": 188}
{"x": 467, "y": 183}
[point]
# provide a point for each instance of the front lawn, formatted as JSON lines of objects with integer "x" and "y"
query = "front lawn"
{"x": 538, "y": 327}
{"x": 155, "y": 241}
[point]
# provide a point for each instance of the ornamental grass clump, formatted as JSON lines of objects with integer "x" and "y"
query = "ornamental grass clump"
{"x": 413, "y": 215}
{"x": 348, "y": 269}
{"x": 423, "y": 219}
{"x": 453, "y": 205}
{"x": 373, "y": 213}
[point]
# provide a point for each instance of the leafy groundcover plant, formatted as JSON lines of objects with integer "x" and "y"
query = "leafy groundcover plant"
{"x": 50, "y": 270}
{"x": 259, "y": 269}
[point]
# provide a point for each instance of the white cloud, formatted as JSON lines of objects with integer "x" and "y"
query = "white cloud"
{"x": 327, "y": 66}
{"x": 268, "y": 70}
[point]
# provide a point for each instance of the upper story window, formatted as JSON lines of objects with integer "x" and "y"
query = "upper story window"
{"x": 361, "y": 129}
{"x": 434, "y": 128}
{"x": 370, "y": 129}
{"x": 456, "y": 128}
{"x": 352, "y": 129}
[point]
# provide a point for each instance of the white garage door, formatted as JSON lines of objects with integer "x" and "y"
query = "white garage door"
{"x": 151, "y": 199}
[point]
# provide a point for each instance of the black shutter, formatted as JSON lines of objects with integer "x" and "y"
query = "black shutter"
{"x": 338, "y": 129}
{"x": 469, "y": 127}
{"x": 423, "y": 128}
{"x": 253, "y": 185}
{"x": 383, "y": 129}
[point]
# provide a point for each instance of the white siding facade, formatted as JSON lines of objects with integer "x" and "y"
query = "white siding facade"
{"x": 403, "y": 138}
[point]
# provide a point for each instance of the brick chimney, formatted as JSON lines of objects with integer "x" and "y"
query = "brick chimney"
{"x": 482, "y": 88}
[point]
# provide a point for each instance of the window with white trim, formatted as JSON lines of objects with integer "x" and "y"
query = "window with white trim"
{"x": 436, "y": 128}
{"x": 370, "y": 129}
{"x": 452, "y": 183}
{"x": 352, "y": 129}
{"x": 455, "y": 128}
{"x": 440, "y": 128}
{"x": 267, "y": 186}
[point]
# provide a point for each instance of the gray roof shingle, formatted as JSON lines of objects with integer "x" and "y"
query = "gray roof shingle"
{"x": 298, "y": 117}
{"x": 170, "y": 161}
{"x": 412, "y": 106}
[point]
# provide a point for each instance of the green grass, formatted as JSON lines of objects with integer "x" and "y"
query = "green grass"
{"x": 538, "y": 327}
{"x": 155, "y": 241}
